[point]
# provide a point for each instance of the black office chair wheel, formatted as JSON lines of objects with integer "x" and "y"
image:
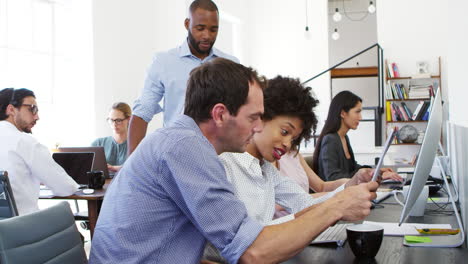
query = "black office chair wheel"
{"x": 85, "y": 225}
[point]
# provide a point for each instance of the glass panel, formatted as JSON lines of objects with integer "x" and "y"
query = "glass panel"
{"x": 31, "y": 70}
{"x": 19, "y": 24}
{"x": 42, "y": 26}
{"x": 3, "y": 23}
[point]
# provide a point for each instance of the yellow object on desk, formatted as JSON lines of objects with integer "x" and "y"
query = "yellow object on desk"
{"x": 438, "y": 231}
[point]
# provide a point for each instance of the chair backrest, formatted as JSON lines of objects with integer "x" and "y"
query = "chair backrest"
{"x": 48, "y": 236}
{"x": 7, "y": 201}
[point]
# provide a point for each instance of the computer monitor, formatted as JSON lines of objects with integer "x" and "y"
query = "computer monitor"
{"x": 426, "y": 156}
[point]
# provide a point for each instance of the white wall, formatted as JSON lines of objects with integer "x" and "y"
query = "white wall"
{"x": 276, "y": 42}
{"x": 412, "y": 31}
{"x": 358, "y": 31}
{"x": 267, "y": 35}
{"x": 457, "y": 41}
{"x": 127, "y": 35}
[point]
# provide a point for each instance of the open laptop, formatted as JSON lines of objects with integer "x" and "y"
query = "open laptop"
{"x": 76, "y": 165}
{"x": 100, "y": 162}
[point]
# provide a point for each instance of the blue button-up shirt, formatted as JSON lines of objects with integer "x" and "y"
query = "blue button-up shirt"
{"x": 172, "y": 195}
{"x": 167, "y": 77}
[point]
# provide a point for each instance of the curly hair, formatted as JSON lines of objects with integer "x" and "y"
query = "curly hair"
{"x": 284, "y": 96}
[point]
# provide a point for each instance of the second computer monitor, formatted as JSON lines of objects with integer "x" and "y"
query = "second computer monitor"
{"x": 426, "y": 156}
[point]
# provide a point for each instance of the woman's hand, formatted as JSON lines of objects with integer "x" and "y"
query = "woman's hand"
{"x": 389, "y": 174}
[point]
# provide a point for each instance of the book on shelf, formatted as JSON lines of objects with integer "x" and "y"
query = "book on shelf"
{"x": 396, "y": 72}
{"x": 389, "y": 111}
{"x": 403, "y": 112}
{"x": 390, "y": 70}
{"x": 428, "y": 111}
{"x": 422, "y": 91}
{"x": 416, "y": 111}
{"x": 407, "y": 110}
{"x": 396, "y": 91}
{"x": 392, "y": 109}
{"x": 422, "y": 111}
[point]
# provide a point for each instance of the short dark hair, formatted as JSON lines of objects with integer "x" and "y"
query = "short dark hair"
{"x": 218, "y": 81}
{"x": 343, "y": 101}
{"x": 286, "y": 96}
{"x": 14, "y": 97}
{"x": 203, "y": 4}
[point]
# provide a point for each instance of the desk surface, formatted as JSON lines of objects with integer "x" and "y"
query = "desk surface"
{"x": 94, "y": 203}
{"x": 392, "y": 249}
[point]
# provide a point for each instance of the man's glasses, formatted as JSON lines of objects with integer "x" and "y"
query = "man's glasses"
{"x": 117, "y": 121}
{"x": 32, "y": 108}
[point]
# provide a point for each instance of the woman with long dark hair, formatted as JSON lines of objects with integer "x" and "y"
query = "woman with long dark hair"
{"x": 333, "y": 156}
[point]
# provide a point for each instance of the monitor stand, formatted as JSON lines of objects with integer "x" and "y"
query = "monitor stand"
{"x": 444, "y": 240}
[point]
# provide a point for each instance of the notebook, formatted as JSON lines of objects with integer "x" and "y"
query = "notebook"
{"x": 75, "y": 164}
{"x": 334, "y": 234}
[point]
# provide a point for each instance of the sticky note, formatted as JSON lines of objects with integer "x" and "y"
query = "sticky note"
{"x": 417, "y": 239}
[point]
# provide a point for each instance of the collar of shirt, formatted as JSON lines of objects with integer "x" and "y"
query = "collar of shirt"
{"x": 8, "y": 125}
{"x": 188, "y": 122}
{"x": 253, "y": 164}
{"x": 184, "y": 51}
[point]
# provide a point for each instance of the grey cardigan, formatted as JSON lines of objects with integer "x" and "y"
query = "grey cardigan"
{"x": 333, "y": 164}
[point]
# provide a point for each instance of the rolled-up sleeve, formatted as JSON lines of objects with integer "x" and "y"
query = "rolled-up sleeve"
{"x": 148, "y": 104}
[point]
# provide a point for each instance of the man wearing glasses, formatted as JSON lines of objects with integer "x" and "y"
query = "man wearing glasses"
{"x": 28, "y": 162}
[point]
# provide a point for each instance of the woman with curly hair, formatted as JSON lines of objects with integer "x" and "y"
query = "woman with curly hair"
{"x": 288, "y": 118}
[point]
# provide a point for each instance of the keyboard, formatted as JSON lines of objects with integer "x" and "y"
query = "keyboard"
{"x": 333, "y": 234}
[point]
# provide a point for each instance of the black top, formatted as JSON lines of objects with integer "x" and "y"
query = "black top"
{"x": 333, "y": 164}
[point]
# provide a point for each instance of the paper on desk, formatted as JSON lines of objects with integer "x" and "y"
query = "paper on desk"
{"x": 406, "y": 229}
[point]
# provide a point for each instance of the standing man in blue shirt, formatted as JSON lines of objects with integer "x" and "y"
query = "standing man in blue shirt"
{"x": 172, "y": 194}
{"x": 168, "y": 74}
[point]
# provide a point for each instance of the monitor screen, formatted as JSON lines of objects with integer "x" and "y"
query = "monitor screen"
{"x": 426, "y": 156}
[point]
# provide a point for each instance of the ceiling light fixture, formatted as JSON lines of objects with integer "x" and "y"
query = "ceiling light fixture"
{"x": 335, "y": 35}
{"x": 337, "y": 16}
{"x": 371, "y": 7}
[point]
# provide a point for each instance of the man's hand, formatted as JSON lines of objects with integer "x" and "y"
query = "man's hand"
{"x": 354, "y": 203}
{"x": 361, "y": 176}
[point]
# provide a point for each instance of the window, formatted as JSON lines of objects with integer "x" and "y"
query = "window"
{"x": 46, "y": 46}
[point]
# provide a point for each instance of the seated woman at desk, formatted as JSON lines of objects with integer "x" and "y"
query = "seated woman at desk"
{"x": 115, "y": 146}
{"x": 288, "y": 118}
{"x": 333, "y": 156}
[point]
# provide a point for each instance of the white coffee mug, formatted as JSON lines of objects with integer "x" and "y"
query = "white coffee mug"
{"x": 420, "y": 205}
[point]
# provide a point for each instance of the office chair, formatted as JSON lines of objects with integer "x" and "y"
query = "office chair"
{"x": 47, "y": 236}
{"x": 81, "y": 216}
{"x": 7, "y": 201}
